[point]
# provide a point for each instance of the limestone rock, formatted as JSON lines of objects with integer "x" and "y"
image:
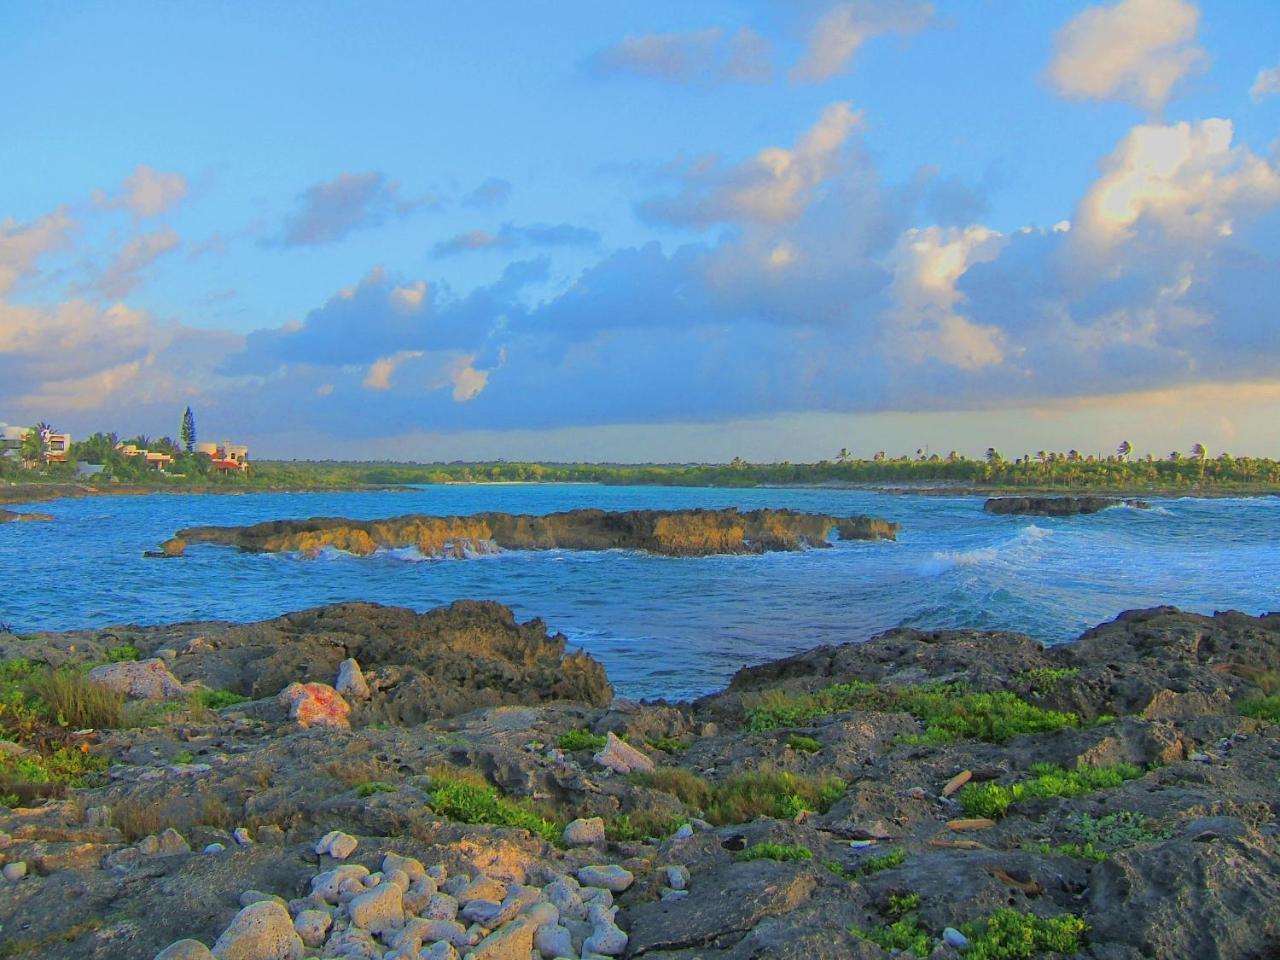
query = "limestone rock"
{"x": 337, "y": 844}
{"x": 351, "y": 680}
{"x": 140, "y": 679}
{"x": 612, "y": 878}
{"x": 316, "y": 705}
{"x": 185, "y": 950}
{"x": 621, "y": 757}
{"x": 584, "y": 833}
{"x": 514, "y": 941}
{"x": 261, "y": 931}
{"x": 312, "y": 925}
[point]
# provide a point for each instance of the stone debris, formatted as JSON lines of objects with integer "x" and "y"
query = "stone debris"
{"x": 351, "y": 681}
{"x": 351, "y": 912}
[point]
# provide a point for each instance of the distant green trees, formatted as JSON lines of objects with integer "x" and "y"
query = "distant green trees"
{"x": 187, "y": 433}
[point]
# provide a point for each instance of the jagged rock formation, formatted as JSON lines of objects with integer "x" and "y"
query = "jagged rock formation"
{"x": 1058, "y": 506}
{"x": 684, "y": 533}
{"x": 13, "y": 516}
{"x": 1184, "y": 860}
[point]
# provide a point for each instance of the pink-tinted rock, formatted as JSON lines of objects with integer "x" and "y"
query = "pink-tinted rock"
{"x": 316, "y": 705}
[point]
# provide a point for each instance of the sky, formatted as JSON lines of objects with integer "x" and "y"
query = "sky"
{"x": 644, "y": 232}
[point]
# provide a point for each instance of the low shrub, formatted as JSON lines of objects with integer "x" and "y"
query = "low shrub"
{"x": 1010, "y": 934}
{"x": 123, "y": 653}
{"x": 582, "y": 739}
{"x": 1081, "y": 851}
{"x": 774, "y": 851}
{"x": 689, "y": 788}
{"x": 905, "y": 933}
{"x": 467, "y": 801}
{"x": 770, "y": 793}
{"x": 1047, "y": 679}
{"x": 72, "y": 766}
{"x": 993, "y": 800}
{"x": 218, "y": 699}
{"x": 370, "y": 787}
{"x": 1261, "y": 708}
{"x": 1124, "y": 828}
{"x": 868, "y": 865}
{"x": 643, "y": 825}
{"x": 949, "y": 711}
{"x": 803, "y": 744}
{"x": 669, "y": 744}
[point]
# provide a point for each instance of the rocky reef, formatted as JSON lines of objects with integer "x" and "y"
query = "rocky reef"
{"x": 1058, "y": 506}
{"x": 480, "y": 794}
{"x": 13, "y": 516}
{"x": 681, "y": 533}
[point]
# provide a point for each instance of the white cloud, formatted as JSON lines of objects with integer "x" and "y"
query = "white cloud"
{"x": 22, "y": 244}
{"x": 1265, "y": 84}
{"x": 842, "y": 31}
{"x": 773, "y": 187}
{"x": 1135, "y": 51}
{"x": 147, "y": 192}
{"x": 926, "y": 322}
{"x": 694, "y": 57}
{"x": 1185, "y": 181}
{"x": 467, "y": 380}
{"x": 382, "y": 369}
{"x": 125, "y": 271}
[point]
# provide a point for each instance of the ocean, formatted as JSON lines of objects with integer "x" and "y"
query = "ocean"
{"x": 663, "y": 627}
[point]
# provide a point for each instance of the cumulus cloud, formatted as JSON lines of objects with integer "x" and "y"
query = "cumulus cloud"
{"x": 926, "y": 321}
{"x": 147, "y": 192}
{"x": 494, "y": 192}
{"x": 330, "y": 211}
{"x": 382, "y": 369}
{"x": 511, "y": 237}
{"x": 1184, "y": 182}
{"x": 1136, "y": 51}
{"x": 842, "y": 31}
{"x": 698, "y": 57}
{"x": 1265, "y": 84}
{"x": 23, "y": 244}
{"x": 125, "y": 271}
{"x": 774, "y": 186}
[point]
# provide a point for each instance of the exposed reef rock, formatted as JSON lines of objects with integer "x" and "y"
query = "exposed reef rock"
{"x": 813, "y": 810}
{"x": 1058, "y": 506}
{"x": 13, "y": 516}
{"x": 681, "y": 533}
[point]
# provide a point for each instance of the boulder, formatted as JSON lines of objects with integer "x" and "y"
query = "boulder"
{"x": 621, "y": 757}
{"x": 584, "y": 832}
{"x": 613, "y": 878}
{"x": 185, "y": 950}
{"x": 379, "y": 910}
{"x": 140, "y": 679}
{"x": 351, "y": 680}
{"x": 261, "y": 931}
{"x": 316, "y": 705}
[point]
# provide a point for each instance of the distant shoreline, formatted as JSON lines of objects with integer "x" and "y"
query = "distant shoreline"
{"x": 18, "y": 494}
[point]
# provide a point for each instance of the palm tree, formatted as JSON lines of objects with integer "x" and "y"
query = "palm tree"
{"x": 1124, "y": 450}
{"x": 1198, "y": 452}
{"x": 993, "y": 456}
{"x": 32, "y": 447}
{"x": 843, "y": 455}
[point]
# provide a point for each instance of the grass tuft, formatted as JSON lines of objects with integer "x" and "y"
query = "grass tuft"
{"x": 467, "y": 801}
{"x": 370, "y": 787}
{"x": 994, "y": 800}
{"x": 72, "y": 700}
{"x": 774, "y": 851}
{"x": 1261, "y": 708}
{"x": 218, "y": 699}
{"x": 803, "y": 744}
{"x": 582, "y": 739}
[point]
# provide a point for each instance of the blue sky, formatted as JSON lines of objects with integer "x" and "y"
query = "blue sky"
{"x": 658, "y": 231}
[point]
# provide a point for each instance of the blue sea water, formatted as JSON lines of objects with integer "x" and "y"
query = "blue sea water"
{"x": 662, "y": 626}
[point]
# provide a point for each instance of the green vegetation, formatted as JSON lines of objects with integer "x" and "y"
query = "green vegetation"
{"x": 905, "y": 933}
{"x": 1006, "y": 934}
{"x": 900, "y": 904}
{"x": 993, "y": 800}
{"x": 744, "y": 796}
{"x": 1123, "y": 828}
{"x": 217, "y": 699}
{"x": 469, "y": 800}
{"x": 1261, "y": 708}
{"x": 9, "y": 800}
{"x": 370, "y": 787}
{"x": 643, "y": 825}
{"x": 774, "y": 851}
{"x": 949, "y": 711}
{"x": 1010, "y": 934}
{"x": 582, "y": 739}
{"x": 183, "y": 756}
{"x": 1081, "y": 851}
{"x": 868, "y": 865}
{"x": 65, "y": 765}
{"x": 123, "y": 653}
{"x": 1048, "y": 679}
{"x": 669, "y": 744}
{"x": 71, "y": 700}
{"x": 803, "y": 744}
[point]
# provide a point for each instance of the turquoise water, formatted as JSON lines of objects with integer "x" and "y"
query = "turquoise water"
{"x": 662, "y": 626}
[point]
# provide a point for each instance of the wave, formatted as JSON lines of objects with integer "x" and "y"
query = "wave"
{"x": 943, "y": 560}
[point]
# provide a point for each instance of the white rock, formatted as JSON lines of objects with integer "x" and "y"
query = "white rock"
{"x": 185, "y": 950}
{"x": 552, "y": 941}
{"x": 605, "y": 939}
{"x": 327, "y": 885}
{"x": 379, "y": 910}
{"x": 621, "y": 757}
{"x": 351, "y": 680}
{"x": 312, "y": 925}
{"x": 677, "y": 877}
{"x": 261, "y": 931}
{"x": 139, "y": 679}
{"x": 337, "y": 844}
{"x": 613, "y": 878}
{"x": 13, "y": 872}
{"x": 584, "y": 832}
{"x": 241, "y": 836}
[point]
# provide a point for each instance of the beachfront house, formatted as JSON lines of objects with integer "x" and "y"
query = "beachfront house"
{"x": 11, "y": 440}
{"x": 226, "y": 457}
{"x": 152, "y": 458}
{"x": 57, "y": 446}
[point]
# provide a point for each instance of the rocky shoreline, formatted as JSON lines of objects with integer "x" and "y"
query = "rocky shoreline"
{"x": 682, "y": 533}
{"x": 1058, "y": 506}
{"x": 366, "y": 781}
